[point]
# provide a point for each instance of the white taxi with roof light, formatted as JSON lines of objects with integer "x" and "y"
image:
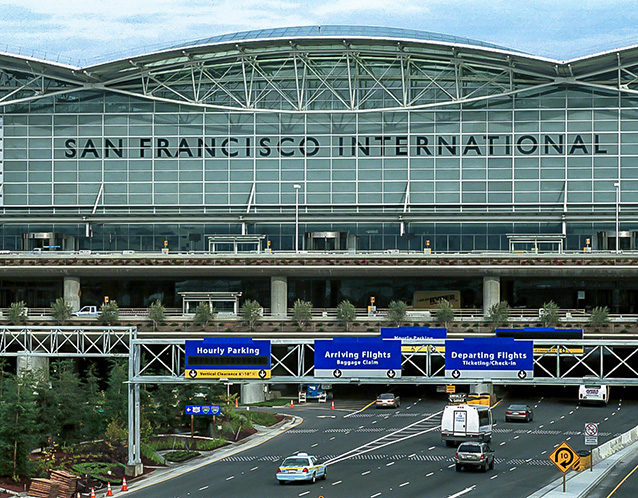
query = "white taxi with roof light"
{"x": 301, "y": 467}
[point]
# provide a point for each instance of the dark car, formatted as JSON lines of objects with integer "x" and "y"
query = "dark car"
{"x": 388, "y": 400}
{"x": 478, "y": 455}
{"x": 519, "y": 412}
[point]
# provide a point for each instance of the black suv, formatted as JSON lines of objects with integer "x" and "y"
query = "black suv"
{"x": 478, "y": 455}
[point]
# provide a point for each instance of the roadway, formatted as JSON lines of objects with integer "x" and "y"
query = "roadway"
{"x": 383, "y": 453}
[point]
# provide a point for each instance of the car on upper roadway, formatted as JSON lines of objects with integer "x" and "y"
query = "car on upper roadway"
{"x": 388, "y": 400}
{"x": 473, "y": 454}
{"x": 87, "y": 312}
{"x": 301, "y": 467}
{"x": 519, "y": 412}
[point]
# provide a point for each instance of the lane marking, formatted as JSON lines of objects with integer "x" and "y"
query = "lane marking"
{"x": 431, "y": 448}
{"x": 413, "y": 454}
{"x": 404, "y": 484}
{"x": 336, "y": 482}
{"x": 543, "y": 452}
{"x": 202, "y": 489}
{"x": 494, "y": 477}
{"x": 494, "y": 405}
{"x": 375, "y": 495}
{"x": 313, "y": 445}
{"x": 460, "y": 493}
{"x": 516, "y": 437}
{"x": 333, "y": 437}
{"x": 365, "y": 473}
{"x": 571, "y": 412}
{"x": 502, "y": 443}
{"x": 621, "y": 482}
{"x": 254, "y": 468}
{"x": 430, "y": 474}
{"x": 450, "y": 466}
{"x": 389, "y": 463}
{"x": 365, "y": 407}
{"x": 513, "y": 468}
{"x": 304, "y": 493}
{"x": 229, "y": 478}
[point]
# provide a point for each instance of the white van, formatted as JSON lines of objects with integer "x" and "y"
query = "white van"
{"x": 466, "y": 423}
{"x": 593, "y": 392}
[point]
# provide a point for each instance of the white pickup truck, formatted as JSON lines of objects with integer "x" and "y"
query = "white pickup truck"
{"x": 87, "y": 312}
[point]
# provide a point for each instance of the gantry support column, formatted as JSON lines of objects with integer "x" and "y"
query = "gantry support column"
{"x": 72, "y": 292}
{"x": 279, "y": 297}
{"x": 491, "y": 292}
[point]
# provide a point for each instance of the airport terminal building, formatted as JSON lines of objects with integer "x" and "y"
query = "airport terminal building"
{"x": 320, "y": 139}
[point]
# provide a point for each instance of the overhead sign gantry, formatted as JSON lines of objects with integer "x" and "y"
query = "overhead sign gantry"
{"x": 229, "y": 358}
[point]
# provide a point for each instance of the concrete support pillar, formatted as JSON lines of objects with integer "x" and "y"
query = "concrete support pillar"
{"x": 72, "y": 292}
{"x": 33, "y": 363}
{"x": 279, "y": 297}
{"x": 253, "y": 393}
{"x": 491, "y": 292}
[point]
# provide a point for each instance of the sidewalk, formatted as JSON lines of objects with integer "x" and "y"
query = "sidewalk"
{"x": 579, "y": 484}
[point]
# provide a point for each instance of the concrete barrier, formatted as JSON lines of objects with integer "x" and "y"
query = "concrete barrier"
{"x": 612, "y": 446}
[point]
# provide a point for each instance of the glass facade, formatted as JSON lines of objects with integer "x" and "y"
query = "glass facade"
{"x": 393, "y": 160}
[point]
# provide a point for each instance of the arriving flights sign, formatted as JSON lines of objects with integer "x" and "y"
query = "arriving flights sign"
{"x": 489, "y": 358}
{"x": 355, "y": 357}
{"x": 228, "y": 357}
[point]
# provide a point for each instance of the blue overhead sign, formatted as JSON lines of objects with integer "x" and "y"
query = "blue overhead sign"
{"x": 228, "y": 357}
{"x": 489, "y": 358}
{"x": 355, "y": 357}
{"x": 413, "y": 333}
{"x": 202, "y": 410}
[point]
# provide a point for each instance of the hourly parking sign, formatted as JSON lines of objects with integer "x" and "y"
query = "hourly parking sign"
{"x": 489, "y": 358}
{"x": 228, "y": 357}
{"x": 356, "y": 357}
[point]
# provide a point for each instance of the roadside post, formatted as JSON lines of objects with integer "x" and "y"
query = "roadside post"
{"x": 564, "y": 457}
{"x": 591, "y": 440}
{"x": 193, "y": 410}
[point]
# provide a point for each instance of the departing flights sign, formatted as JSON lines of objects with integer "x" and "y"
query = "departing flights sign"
{"x": 228, "y": 357}
{"x": 410, "y": 337}
{"x": 489, "y": 358}
{"x": 354, "y": 357}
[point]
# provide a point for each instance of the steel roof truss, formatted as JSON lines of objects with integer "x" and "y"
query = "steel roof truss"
{"x": 622, "y": 362}
{"x": 377, "y": 80}
{"x": 324, "y": 81}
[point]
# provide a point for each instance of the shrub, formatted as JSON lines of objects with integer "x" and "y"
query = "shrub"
{"x": 17, "y": 313}
{"x": 157, "y": 313}
{"x": 181, "y": 455}
{"x": 61, "y": 311}
{"x": 302, "y": 312}
{"x": 549, "y": 314}
{"x": 599, "y": 316}
{"x": 98, "y": 471}
{"x": 397, "y": 311}
{"x": 250, "y": 312}
{"x": 203, "y": 314}
{"x": 498, "y": 313}
{"x": 110, "y": 313}
{"x": 346, "y": 313}
{"x": 444, "y": 312}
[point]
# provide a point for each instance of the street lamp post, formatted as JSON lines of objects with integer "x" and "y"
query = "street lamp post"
{"x": 296, "y": 186}
{"x": 617, "y": 185}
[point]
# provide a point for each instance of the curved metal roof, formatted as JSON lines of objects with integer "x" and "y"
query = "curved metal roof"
{"x": 337, "y": 30}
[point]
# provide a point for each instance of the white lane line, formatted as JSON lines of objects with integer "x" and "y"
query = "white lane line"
{"x": 541, "y": 426}
{"x": 460, "y": 493}
{"x": 613, "y": 414}
{"x": 513, "y": 468}
{"x": 430, "y": 474}
{"x": 336, "y": 482}
{"x": 606, "y": 419}
{"x": 568, "y": 438}
{"x": 374, "y": 421}
{"x": 375, "y": 495}
{"x": 431, "y": 448}
{"x": 412, "y": 455}
{"x": 365, "y": 473}
{"x": 450, "y": 466}
{"x": 389, "y": 463}
{"x": 543, "y": 452}
{"x": 562, "y": 417}
{"x": 229, "y": 478}
{"x": 493, "y": 477}
{"x": 408, "y": 407}
{"x": 254, "y": 468}
{"x": 404, "y": 484}
{"x": 304, "y": 493}
{"x": 313, "y": 445}
{"x": 202, "y": 489}
{"x": 502, "y": 443}
{"x": 516, "y": 437}
{"x": 552, "y": 422}
{"x": 332, "y": 438}
{"x": 571, "y": 412}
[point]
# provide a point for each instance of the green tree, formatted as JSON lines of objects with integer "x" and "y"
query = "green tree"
{"x": 444, "y": 312}
{"x": 95, "y": 423}
{"x": 599, "y": 316}
{"x": 397, "y": 312}
{"x": 346, "y": 313}
{"x": 302, "y": 312}
{"x": 17, "y": 313}
{"x": 156, "y": 313}
{"x": 61, "y": 311}
{"x": 549, "y": 314}
{"x": 250, "y": 312}
{"x": 203, "y": 314}
{"x": 116, "y": 394}
{"x": 19, "y": 428}
{"x": 110, "y": 313}
{"x": 498, "y": 313}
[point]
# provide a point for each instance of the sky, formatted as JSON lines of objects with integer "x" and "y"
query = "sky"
{"x": 81, "y": 32}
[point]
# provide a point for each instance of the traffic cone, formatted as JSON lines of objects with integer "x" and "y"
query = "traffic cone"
{"x": 79, "y": 496}
{"x": 124, "y": 486}
{"x": 292, "y": 405}
{"x": 109, "y": 491}
{"x": 236, "y": 403}
{"x": 92, "y": 492}
{"x": 332, "y": 407}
